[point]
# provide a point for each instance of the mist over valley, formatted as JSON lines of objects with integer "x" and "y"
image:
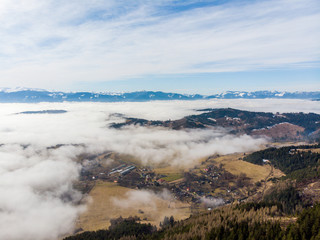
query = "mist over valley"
{"x": 53, "y": 154}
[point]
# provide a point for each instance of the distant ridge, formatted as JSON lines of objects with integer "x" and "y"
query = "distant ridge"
{"x": 38, "y": 95}
{"x": 44, "y": 112}
{"x": 279, "y": 127}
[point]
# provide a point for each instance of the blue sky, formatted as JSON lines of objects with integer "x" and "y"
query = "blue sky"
{"x": 174, "y": 46}
{"x": 208, "y": 83}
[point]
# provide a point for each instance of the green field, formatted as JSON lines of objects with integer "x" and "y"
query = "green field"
{"x": 172, "y": 177}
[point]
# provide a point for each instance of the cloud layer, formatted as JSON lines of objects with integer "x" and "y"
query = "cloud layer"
{"x": 51, "y": 44}
{"x": 135, "y": 198}
{"x": 37, "y": 200}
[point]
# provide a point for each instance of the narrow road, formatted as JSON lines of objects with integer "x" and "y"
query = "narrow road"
{"x": 266, "y": 179}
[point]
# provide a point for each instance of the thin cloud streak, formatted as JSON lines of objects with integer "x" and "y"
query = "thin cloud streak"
{"x": 57, "y": 44}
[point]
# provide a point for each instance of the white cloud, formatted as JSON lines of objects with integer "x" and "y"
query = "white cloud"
{"x": 86, "y": 123}
{"x": 52, "y": 44}
{"x": 134, "y": 198}
{"x": 212, "y": 202}
{"x": 37, "y": 200}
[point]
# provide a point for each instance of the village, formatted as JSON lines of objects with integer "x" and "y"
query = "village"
{"x": 205, "y": 181}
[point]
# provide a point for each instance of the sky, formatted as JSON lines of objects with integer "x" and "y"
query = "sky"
{"x": 168, "y": 45}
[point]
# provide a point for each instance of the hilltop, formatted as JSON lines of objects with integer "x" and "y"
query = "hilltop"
{"x": 280, "y": 127}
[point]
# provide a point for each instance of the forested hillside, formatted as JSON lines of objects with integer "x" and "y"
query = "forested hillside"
{"x": 297, "y": 162}
{"x": 231, "y": 222}
{"x": 280, "y": 127}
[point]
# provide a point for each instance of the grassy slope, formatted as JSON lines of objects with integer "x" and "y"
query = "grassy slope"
{"x": 232, "y": 164}
{"x": 101, "y": 209}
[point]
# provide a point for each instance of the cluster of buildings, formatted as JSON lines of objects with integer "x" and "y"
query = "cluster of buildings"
{"x": 122, "y": 170}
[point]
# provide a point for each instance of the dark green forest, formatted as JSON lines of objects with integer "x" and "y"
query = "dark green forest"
{"x": 229, "y": 223}
{"x": 297, "y": 162}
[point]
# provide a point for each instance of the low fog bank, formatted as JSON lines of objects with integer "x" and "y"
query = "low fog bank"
{"x": 87, "y": 124}
{"x": 154, "y": 206}
{"x": 136, "y": 198}
{"x": 182, "y": 148}
{"x": 147, "y": 198}
{"x": 164, "y": 110}
{"x": 36, "y": 196}
{"x": 37, "y": 200}
{"x": 212, "y": 202}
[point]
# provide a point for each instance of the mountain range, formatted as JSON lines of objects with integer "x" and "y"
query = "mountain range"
{"x": 37, "y": 95}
